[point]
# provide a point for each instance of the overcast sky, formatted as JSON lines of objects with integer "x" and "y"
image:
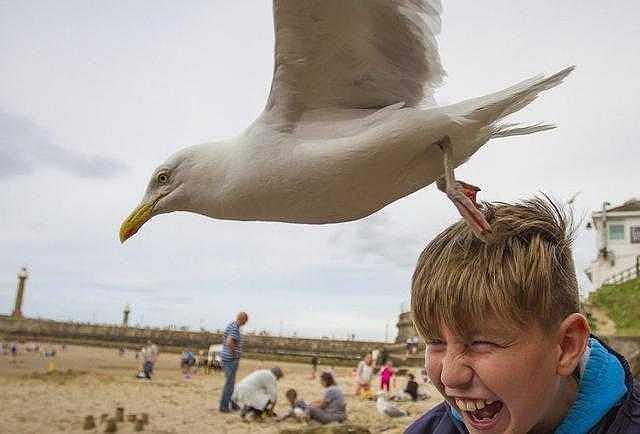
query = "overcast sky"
{"x": 95, "y": 94}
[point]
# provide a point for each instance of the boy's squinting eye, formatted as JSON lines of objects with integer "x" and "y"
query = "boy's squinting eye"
{"x": 435, "y": 343}
{"x": 484, "y": 345}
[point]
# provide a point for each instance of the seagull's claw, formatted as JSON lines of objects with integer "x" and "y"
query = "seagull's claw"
{"x": 463, "y": 196}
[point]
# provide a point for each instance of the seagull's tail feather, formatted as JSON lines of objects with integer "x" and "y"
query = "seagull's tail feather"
{"x": 506, "y": 130}
{"x": 491, "y": 108}
{"x": 481, "y": 118}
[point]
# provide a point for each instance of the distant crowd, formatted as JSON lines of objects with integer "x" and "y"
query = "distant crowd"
{"x": 46, "y": 350}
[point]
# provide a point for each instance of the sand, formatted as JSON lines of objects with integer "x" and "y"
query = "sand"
{"x": 87, "y": 380}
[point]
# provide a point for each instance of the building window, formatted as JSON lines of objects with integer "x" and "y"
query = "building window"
{"x": 616, "y": 232}
{"x": 635, "y": 234}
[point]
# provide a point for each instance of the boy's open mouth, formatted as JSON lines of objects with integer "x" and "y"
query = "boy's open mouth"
{"x": 485, "y": 416}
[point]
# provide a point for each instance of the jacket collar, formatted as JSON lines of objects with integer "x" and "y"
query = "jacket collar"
{"x": 601, "y": 387}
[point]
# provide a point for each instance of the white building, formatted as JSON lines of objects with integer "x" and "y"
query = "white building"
{"x": 618, "y": 242}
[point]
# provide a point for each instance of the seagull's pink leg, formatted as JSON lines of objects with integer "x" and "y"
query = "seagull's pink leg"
{"x": 462, "y": 195}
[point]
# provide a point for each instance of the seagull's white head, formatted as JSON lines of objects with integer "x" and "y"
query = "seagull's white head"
{"x": 175, "y": 185}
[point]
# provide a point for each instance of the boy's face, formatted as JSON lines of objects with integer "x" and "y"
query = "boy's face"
{"x": 509, "y": 372}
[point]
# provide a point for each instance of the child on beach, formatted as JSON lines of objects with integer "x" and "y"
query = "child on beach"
{"x": 363, "y": 375}
{"x": 314, "y": 367}
{"x": 297, "y": 406}
{"x": 385, "y": 375}
{"x": 410, "y": 392}
{"x": 507, "y": 346}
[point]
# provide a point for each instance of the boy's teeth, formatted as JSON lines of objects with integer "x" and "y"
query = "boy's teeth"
{"x": 471, "y": 404}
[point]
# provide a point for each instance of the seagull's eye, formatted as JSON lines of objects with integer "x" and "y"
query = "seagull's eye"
{"x": 163, "y": 178}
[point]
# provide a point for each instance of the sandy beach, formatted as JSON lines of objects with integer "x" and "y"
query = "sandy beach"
{"x": 53, "y": 395}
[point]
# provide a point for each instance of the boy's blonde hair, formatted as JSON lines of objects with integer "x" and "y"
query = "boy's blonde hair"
{"x": 524, "y": 272}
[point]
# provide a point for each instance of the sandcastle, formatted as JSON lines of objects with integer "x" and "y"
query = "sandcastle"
{"x": 111, "y": 423}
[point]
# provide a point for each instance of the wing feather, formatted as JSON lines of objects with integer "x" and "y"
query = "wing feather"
{"x": 353, "y": 54}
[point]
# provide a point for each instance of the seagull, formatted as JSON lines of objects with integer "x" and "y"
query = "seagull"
{"x": 350, "y": 124}
{"x": 386, "y": 408}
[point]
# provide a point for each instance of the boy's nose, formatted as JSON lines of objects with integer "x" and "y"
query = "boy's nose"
{"x": 455, "y": 373}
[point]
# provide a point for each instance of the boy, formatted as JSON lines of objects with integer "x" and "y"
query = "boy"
{"x": 506, "y": 345}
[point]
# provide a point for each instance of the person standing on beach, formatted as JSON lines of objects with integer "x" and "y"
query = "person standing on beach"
{"x": 231, "y": 352}
{"x": 209, "y": 364}
{"x": 186, "y": 363}
{"x": 152, "y": 357}
{"x": 385, "y": 376}
{"x": 149, "y": 355}
{"x": 364, "y": 372}
{"x": 147, "y": 364}
{"x": 314, "y": 367}
{"x": 154, "y": 351}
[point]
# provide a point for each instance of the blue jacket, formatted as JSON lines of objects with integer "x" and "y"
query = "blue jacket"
{"x": 623, "y": 418}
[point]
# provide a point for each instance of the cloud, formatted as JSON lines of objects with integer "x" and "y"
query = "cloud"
{"x": 26, "y": 147}
{"x": 382, "y": 239}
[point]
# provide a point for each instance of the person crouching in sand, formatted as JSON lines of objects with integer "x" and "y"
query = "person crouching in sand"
{"x": 507, "y": 346}
{"x": 256, "y": 394}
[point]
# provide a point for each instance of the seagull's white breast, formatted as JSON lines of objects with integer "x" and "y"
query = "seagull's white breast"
{"x": 285, "y": 177}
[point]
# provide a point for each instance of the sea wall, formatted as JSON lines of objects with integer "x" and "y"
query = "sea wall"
{"x": 338, "y": 352}
{"x": 335, "y": 352}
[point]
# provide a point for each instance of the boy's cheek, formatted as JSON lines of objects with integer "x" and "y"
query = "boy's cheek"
{"x": 433, "y": 367}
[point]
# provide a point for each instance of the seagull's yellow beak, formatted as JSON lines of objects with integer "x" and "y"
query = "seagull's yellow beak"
{"x": 137, "y": 218}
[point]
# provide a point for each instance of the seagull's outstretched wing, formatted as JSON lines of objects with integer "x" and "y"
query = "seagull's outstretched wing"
{"x": 353, "y": 54}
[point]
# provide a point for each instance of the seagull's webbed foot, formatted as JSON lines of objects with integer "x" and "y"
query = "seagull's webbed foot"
{"x": 462, "y": 195}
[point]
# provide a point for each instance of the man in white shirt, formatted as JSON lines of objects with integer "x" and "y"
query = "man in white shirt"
{"x": 257, "y": 392}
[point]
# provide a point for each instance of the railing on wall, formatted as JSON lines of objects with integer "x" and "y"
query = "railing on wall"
{"x": 625, "y": 275}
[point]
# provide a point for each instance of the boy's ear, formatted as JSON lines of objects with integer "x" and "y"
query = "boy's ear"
{"x": 573, "y": 336}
